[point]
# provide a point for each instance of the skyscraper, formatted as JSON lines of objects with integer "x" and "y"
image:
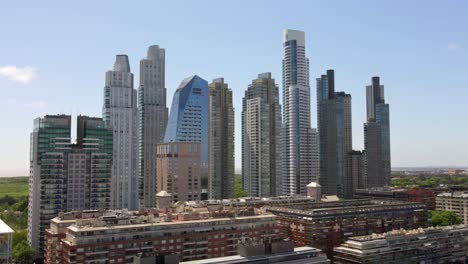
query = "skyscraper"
{"x": 261, "y": 126}
{"x": 377, "y": 136}
{"x": 334, "y": 124}
{"x": 297, "y": 168}
{"x": 120, "y": 113}
{"x": 188, "y": 119}
{"x": 153, "y": 120}
{"x": 66, "y": 176}
{"x": 221, "y": 111}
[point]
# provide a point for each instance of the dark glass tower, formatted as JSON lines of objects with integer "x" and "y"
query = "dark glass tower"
{"x": 377, "y": 136}
{"x": 335, "y": 137}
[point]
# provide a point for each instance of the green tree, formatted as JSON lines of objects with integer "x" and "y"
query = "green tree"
{"x": 238, "y": 191}
{"x": 23, "y": 253}
{"x": 445, "y": 218}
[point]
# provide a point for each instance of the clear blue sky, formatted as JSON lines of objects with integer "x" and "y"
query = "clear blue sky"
{"x": 419, "y": 48}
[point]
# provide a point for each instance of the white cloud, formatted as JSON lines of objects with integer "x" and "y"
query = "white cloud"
{"x": 35, "y": 105}
{"x": 22, "y": 75}
{"x": 453, "y": 46}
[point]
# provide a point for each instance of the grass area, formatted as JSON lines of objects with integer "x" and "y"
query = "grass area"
{"x": 14, "y": 187}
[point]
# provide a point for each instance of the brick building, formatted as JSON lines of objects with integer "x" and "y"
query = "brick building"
{"x": 325, "y": 225}
{"x": 117, "y": 236}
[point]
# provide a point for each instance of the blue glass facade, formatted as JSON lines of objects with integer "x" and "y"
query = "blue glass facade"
{"x": 188, "y": 118}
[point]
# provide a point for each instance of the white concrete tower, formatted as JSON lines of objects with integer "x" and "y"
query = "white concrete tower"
{"x": 120, "y": 113}
{"x": 297, "y": 138}
{"x": 153, "y": 114}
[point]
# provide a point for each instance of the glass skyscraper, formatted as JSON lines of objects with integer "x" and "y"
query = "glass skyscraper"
{"x": 188, "y": 118}
{"x": 335, "y": 137}
{"x": 66, "y": 176}
{"x": 377, "y": 136}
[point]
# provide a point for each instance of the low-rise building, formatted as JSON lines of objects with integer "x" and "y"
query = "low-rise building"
{"x": 456, "y": 202}
{"x": 417, "y": 195}
{"x": 117, "y": 236}
{"x": 430, "y": 245}
{"x": 325, "y": 225}
{"x": 6, "y": 243}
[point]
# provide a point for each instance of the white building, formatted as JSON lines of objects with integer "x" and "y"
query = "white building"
{"x": 120, "y": 113}
{"x": 297, "y": 139}
{"x": 153, "y": 114}
{"x": 6, "y": 243}
{"x": 456, "y": 202}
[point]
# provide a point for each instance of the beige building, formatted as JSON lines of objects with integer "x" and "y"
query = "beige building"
{"x": 179, "y": 170}
{"x": 456, "y": 202}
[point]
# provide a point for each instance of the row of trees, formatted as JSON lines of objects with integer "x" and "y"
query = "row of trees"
{"x": 432, "y": 181}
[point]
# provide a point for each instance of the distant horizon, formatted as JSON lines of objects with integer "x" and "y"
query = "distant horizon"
{"x": 238, "y": 171}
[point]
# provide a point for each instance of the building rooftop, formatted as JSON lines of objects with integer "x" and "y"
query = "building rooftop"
{"x": 341, "y": 207}
{"x": 412, "y": 232}
{"x": 463, "y": 195}
{"x": 5, "y": 229}
{"x": 239, "y": 259}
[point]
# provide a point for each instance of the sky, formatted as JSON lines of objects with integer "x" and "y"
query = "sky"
{"x": 54, "y": 55}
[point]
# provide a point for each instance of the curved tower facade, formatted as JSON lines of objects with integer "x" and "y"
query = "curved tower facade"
{"x": 297, "y": 138}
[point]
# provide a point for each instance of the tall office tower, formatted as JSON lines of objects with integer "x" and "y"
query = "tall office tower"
{"x": 221, "y": 111}
{"x": 120, "y": 113}
{"x": 179, "y": 170}
{"x": 377, "y": 136}
{"x": 261, "y": 127}
{"x": 335, "y": 137}
{"x": 66, "y": 176}
{"x": 153, "y": 120}
{"x": 188, "y": 119}
{"x": 297, "y": 169}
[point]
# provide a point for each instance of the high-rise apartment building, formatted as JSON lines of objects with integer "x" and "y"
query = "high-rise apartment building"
{"x": 189, "y": 117}
{"x": 153, "y": 120}
{"x": 297, "y": 149}
{"x": 335, "y": 137}
{"x": 66, "y": 176}
{"x": 179, "y": 170}
{"x": 261, "y": 127}
{"x": 120, "y": 113}
{"x": 221, "y": 111}
{"x": 377, "y": 136}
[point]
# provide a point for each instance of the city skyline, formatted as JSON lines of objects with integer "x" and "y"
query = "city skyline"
{"x": 48, "y": 88}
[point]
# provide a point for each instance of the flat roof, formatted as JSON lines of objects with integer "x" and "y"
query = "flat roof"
{"x": 228, "y": 259}
{"x": 5, "y": 229}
